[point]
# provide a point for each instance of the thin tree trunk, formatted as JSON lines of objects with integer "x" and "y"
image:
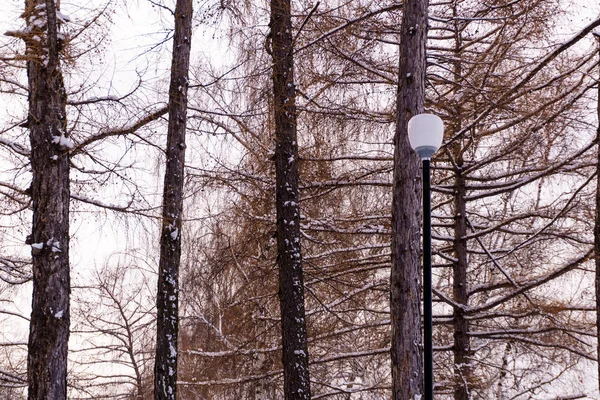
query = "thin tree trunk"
{"x": 461, "y": 349}
{"x": 597, "y": 223}
{"x": 500, "y": 395}
{"x": 50, "y": 315}
{"x": 289, "y": 259}
{"x": 405, "y": 299}
{"x": 167, "y": 303}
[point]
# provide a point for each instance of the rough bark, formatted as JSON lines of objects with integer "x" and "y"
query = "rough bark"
{"x": 405, "y": 299}
{"x": 50, "y": 315}
{"x": 289, "y": 259}
{"x": 597, "y": 224}
{"x": 167, "y": 304}
{"x": 461, "y": 348}
{"x": 462, "y": 369}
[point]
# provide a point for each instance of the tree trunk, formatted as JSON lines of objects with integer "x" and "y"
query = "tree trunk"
{"x": 50, "y": 315}
{"x": 405, "y": 299}
{"x": 597, "y": 224}
{"x": 461, "y": 347}
{"x": 167, "y": 304}
{"x": 289, "y": 260}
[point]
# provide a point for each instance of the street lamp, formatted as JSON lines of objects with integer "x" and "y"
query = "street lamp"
{"x": 425, "y": 134}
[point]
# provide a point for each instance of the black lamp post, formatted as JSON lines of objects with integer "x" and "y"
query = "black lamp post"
{"x": 425, "y": 133}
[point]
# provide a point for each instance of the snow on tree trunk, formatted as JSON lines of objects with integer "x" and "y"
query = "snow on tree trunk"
{"x": 405, "y": 299}
{"x": 50, "y": 315}
{"x": 460, "y": 279}
{"x": 291, "y": 283}
{"x": 167, "y": 325}
{"x": 462, "y": 356}
{"x": 597, "y": 225}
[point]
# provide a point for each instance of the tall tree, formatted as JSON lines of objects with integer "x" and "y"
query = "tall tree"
{"x": 57, "y": 113}
{"x": 289, "y": 255}
{"x": 50, "y": 316}
{"x": 597, "y": 217}
{"x": 345, "y": 213}
{"x": 495, "y": 124}
{"x": 405, "y": 297}
{"x": 167, "y": 303}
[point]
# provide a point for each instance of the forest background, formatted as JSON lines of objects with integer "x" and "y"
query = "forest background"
{"x": 513, "y": 207}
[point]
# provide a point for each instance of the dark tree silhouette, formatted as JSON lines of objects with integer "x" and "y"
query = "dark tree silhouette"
{"x": 289, "y": 255}
{"x": 167, "y": 304}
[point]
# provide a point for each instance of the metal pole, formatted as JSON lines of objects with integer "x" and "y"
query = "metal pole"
{"x": 427, "y": 301}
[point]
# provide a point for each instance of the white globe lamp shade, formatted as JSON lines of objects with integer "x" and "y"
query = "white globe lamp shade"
{"x": 425, "y": 134}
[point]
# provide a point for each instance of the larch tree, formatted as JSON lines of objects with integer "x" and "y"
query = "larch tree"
{"x": 345, "y": 84}
{"x": 597, "y": 216}
{"x": 47, "y": 116}
{"x": 50, "y": 194}
{"x": 296, "y": 380}
{"x": 167, "y": 303}
{"x": 510, "y": 117}
{"x": 104, "y": 126}
{"x": 345, "y": 160}
{"x": 405, "y": 281}
{"x": 344, "y": 228}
